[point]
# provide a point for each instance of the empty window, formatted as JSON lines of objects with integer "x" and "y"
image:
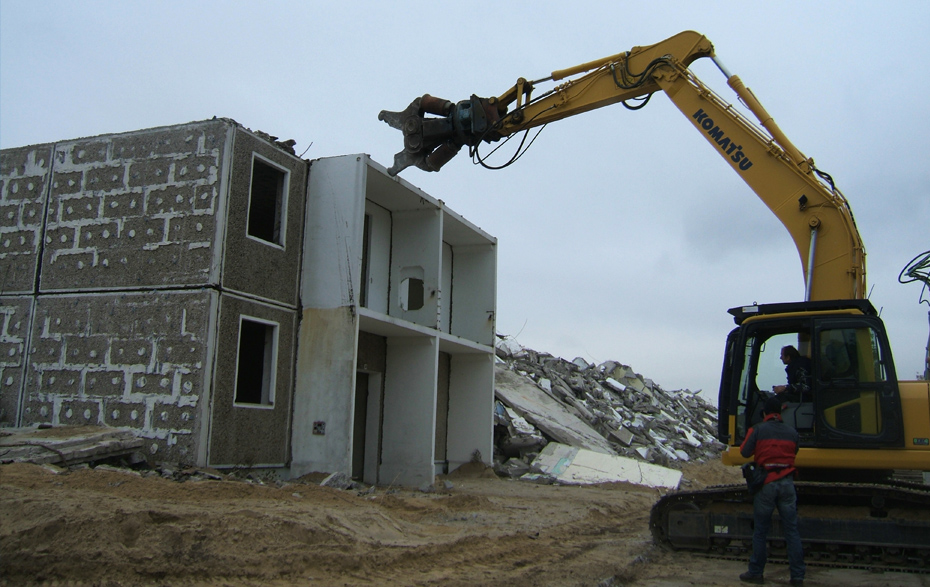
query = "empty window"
{"x": 411, "y": 294}
{"x": 266, "y": 202}
{"x": 255, "y": 371}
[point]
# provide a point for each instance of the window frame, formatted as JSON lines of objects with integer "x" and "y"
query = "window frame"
{"x": 269, "y": 380}
{"x": 282, "y": 196}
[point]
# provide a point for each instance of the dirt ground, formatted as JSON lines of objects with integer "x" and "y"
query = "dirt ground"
{"x": 114, "y": 528}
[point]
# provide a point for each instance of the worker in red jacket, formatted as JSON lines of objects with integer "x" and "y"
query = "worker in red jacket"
{"x": 773, "y": 445}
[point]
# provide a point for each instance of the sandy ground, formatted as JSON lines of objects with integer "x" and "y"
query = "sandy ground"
{"x": 112, "y": 528}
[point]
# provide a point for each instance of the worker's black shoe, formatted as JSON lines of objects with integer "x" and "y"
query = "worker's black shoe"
{"x": 748, "y": 577}
{"x": 797, "y": 582}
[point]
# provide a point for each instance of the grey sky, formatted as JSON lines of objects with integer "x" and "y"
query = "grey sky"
{"x": 622, "y": 235}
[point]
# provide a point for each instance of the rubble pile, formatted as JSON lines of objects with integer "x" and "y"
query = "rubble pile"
{"x": 632, "y": 415}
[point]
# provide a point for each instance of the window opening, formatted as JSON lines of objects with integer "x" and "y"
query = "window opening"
{"x": 266, "y": 202}
{"x": 765, "y": 372}
{"x": 411, "y": 294}
{"x": 255, "y": 373}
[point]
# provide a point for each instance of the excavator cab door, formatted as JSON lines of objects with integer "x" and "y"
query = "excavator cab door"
{"x": 856, "y": 398}
{"x": 723, "y": 399}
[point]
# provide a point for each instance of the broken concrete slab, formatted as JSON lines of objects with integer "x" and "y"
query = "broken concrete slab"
{"x": 553, "y": 418}
{"x": 338, "y": 480}
{"x": 579, "y": 466}
{"x": 622, "y": 435}
{"x": 65, "y": 445}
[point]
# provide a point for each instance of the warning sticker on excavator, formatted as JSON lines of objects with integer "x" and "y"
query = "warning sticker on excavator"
{"x": 922, "y": 441}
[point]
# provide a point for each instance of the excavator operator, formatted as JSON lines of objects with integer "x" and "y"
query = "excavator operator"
{"x": 798, "y": 370}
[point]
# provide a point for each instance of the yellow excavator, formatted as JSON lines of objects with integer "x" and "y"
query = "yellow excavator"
{"x": 865, "y": 435}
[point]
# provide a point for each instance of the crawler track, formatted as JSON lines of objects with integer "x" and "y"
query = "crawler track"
{"x": 884, "y": 526}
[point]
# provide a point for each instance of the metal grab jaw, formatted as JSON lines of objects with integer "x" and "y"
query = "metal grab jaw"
{"x": 431, "y": 142}
{"x": 427, "y": 141}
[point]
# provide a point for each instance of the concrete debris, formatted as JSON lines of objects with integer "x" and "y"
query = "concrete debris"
{"x": 607, "y": 409}
{"x": 287, "y": 145}
{"x": 337, "y": 481}
{"x": 437, "y": 485}
{"x": 512, "y": 468}
{"x": 558, "y": 420}
{"x": 65, "y": 445}
{"x": 574, "y": 466}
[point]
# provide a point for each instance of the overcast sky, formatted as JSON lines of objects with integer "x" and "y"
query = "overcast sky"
{"x": 622, "y": 235}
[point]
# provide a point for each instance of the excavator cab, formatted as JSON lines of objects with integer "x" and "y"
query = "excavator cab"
{"x": 845, "y": 397}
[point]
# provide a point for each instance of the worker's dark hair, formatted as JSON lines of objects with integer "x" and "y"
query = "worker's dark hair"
{"x": 772, "y": 405}
{"x": 790, "y": 351}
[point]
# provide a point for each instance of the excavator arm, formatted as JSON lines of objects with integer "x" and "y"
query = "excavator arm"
{"x": 804, "y": 199}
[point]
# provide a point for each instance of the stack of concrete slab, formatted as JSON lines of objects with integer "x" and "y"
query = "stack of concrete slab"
{"x": 606, "y": 408}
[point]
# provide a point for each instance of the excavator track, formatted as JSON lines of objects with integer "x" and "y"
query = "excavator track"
{"x": 881, "y": 526}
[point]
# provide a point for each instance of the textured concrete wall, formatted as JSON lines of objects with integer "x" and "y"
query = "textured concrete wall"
{"x": 260, "y": 434}
{"x": 115, "y": 252}
{"x": 131, "y": 360}
{"x": 248, "y": 262}
{"x": 135, "y": 210}
{"x": 24, "y": 176}
{"x": 15, "y": 314}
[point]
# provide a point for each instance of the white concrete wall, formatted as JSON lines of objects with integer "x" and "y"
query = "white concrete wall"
{"x": 379, "y": 261}
{"x": 474, "y": 293}
{"x": 416, "y": 245}
{"x": 471, "y": 401}
{"x": 333, "y": 244}
{"x": 324, "y": 391}
{"x": 409, "y": 411}
{"x": 324, "y": 386}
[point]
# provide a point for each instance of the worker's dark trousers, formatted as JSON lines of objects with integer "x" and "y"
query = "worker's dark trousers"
{"x": 777, "y": 494}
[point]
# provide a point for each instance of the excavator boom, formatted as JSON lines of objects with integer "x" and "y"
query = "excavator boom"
{"x": 805, "y": 200}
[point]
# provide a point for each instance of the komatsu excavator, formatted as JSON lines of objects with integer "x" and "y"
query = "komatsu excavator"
{"x": 860, "y": 427}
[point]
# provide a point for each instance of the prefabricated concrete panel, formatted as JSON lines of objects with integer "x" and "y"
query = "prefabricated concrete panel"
{"x": 470, "y": 433}
{"x": 407, "y": 453}
{"x": 252, "y": 265}
{"x": 546, "y": 413}
{"x": 135, "y": 210}
{"x": 379, "y": 258}
{"x": 415, "y": 254}
{"x": 474, "y": 293}
{"x": 24, "y": 174}
{"x": 578, "y": 466}
{"x": 15, "y": 317}
{"x": 324, "y": 391}
{"x": 128, "y": 360}
{"x": 331, "y": 272}
{"x": 244, "y": 434}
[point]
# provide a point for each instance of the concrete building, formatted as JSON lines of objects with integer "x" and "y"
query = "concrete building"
{"x": 237, "y": 306}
